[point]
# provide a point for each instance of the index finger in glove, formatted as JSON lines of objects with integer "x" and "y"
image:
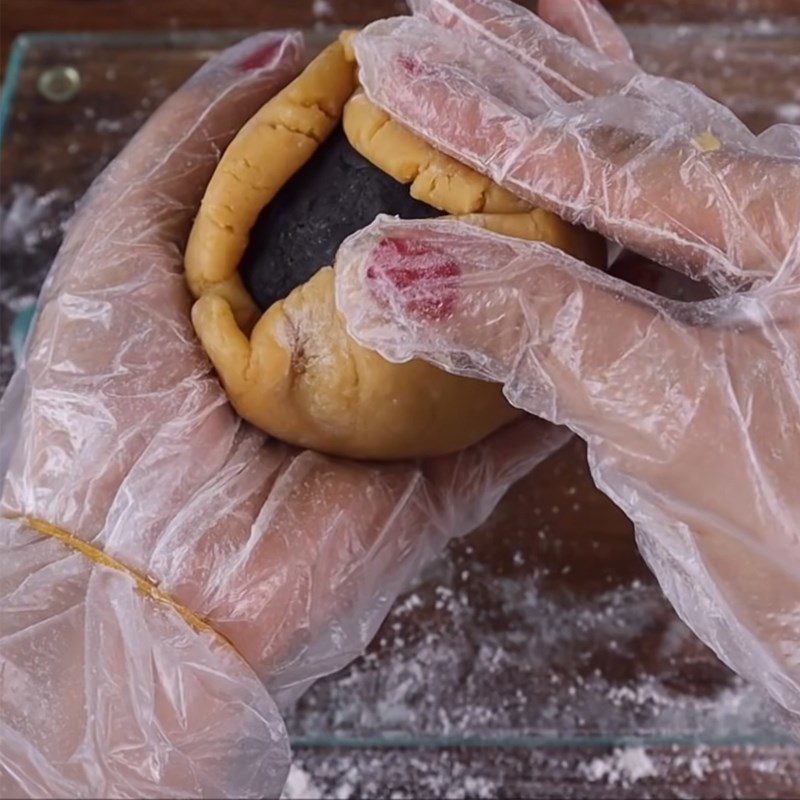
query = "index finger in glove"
{"x": 689, "y": 410}
{"x": 589, "y": 23}
{"x": 570, "y": 343}
{"x": 647, "y": 161}
{"x": 544, "y": 44}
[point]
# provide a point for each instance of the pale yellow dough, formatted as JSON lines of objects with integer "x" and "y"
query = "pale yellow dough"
{"x": 298, "y": 375}
{"x": 435, "y": 178}
{"x": 301, "y": 376}
{"x": 266, "y": 152}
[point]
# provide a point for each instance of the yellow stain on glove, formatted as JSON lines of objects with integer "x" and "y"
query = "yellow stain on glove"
{"x": 144, "y": 584}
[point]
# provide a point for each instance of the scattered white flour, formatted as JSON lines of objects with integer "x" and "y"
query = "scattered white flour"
{"x": 108, "y": 126}
{"x": 700, "y": 765}
{"x": 479, "y": 787}
{"x": 389, "y": 775}
{"x": 692, "y": 773}
{"x": 299, "y": 786}
{"x": 31, "y": 227}
{"x": 30, "y": 217}
{"x": 623, "y": 766}
{"x": 767, "y": 26}
{"x": 321, "y": 8}
{"x": 789, "y": 112}
{"x": 494, "y": 654}
{"x": 347, "y": 788}
{"x": 767, "y": 765}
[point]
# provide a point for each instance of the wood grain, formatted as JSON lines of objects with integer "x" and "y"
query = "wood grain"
{"x": 20, "y": 16}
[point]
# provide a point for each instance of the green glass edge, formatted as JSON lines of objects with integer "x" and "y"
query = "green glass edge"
{"x": 15, "y": 59}
{"x": 539, "y": 742}
{"x": 20, "y": 48}
{"x": 784, "y": 29}
{"x": 787, "y": 27}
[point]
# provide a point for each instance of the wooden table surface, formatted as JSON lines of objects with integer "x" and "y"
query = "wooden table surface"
{"x": 733, "y": 772}
{"x": 19, "y": 16}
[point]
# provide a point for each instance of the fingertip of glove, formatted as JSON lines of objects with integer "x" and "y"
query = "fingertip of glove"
{"x": 423, "y": 278}
{"x": 263, "y": 56}
{"x": 262, "y": 52}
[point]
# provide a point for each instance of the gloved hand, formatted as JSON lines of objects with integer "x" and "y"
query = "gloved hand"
{"x": 691, "y": 411}
{"x": 260, "y": 567}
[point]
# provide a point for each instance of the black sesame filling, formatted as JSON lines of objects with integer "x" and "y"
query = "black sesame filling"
{"x": 335, "y": 194}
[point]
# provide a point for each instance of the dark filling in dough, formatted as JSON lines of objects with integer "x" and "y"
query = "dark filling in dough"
{"x": 335, "y": 194}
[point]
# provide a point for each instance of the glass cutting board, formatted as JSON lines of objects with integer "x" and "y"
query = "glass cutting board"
{"x": 544, "y": 627}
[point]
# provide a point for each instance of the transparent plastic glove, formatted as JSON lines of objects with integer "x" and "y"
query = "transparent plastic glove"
{"x": 116, "y": 430}
{"x": 643, "y": 159}
{"x": 691, "y": 411}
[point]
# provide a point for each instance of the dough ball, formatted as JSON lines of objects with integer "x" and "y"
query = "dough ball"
{"x": 289, "y": 188}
